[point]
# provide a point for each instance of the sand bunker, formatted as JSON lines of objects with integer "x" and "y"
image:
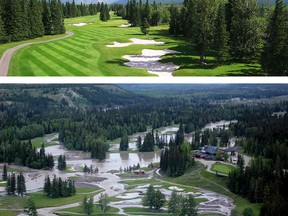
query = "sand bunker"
{"x": 150, "y": 60}
{"x": 79, "y": 24}
{"x": 136, "y": 41}
{"x": 124, "y": 25}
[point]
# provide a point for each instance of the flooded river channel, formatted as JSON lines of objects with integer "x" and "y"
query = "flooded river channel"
{"x": 105, "y": 178}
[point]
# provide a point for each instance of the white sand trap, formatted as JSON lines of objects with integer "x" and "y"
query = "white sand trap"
{"x": 124, "y": 25}
{"x": 176, "y": 188}
{"x": 79, "y": 24}
{"x": 136, "y": 41}
{"x": 150, "y": 60}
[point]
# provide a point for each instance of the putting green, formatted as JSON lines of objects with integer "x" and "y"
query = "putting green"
{"x": 86, "y": 53}
{"x": 222, "y": 168}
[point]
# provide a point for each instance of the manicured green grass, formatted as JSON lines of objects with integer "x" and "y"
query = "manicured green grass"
{"x": 41, "y": 200}
{"x": 79, "y": 209}
{"x": 222, "y": 168}
{"x": 86, "y": 53}
{"x": 2, "y": 184}
{"x": 7, "y": 46}
{"x": 199, "y": 177}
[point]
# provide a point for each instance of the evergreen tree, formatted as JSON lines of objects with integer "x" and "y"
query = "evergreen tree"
{"x": 4, "y": 174}
{"x": 47, "y": 186}
{"x": 57, "y": 20}
{"x": 35, "y": 19}
{"x": 146, "y": 14}
{"x": 202, "y": 17}
{"x": 61, "y": 162}
{"x": 174, "y": 25}
{"x": 12, "y": 19}
{"x": 134, "y": 14}
{"x": 139, "y": 143}
{"x": 244, "y": 30}
{"x": 13, "y": 183}
{"x": 25, "y": 27}
{"x": 8, "y": 185}
{"x": 30, "y": 209}
{"x": 46, "y": 18}
{"x": 221, "y": 36}
{"x": 148, "y": 144}
{"x": 274, "y": 58}
{"x": 145, "y": 27}
{"x": 124, "y": 143}
{"x": 2, "y": 29}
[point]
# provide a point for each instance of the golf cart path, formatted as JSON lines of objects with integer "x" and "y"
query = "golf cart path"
{"x": 5, "y": 60}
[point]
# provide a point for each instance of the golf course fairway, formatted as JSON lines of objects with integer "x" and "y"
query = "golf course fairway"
{"x": 86, "y": 53}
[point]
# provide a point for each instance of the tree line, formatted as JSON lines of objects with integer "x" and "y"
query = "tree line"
{"x": 234, "y": 30}
{"x": 264, "y": 180}
{"x": 138, "y": 13}
{"x": 15, "y": 184}
{"x": 28, "y": 19}
{"x": 71, "y": 9}
{"x": 23, "y": 153}
{"x": 58, "y": 188}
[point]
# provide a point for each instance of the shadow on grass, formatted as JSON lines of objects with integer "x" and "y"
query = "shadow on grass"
{"x": 249, "y": 70}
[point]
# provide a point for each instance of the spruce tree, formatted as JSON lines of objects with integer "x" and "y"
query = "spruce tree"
{"x": 57, "y": 20}
{"x": 274, "y": 58}
{"x": 13, "y": 183}
{"x": 244, "y": 30}
{"x": 4, "y": 174}
{"x": 221, "y": 36}
{"x": 2, "y": 29}
{"x": 35, "y": 19}
{"x": 25, "y": 27}
{"x": 12, "y": 19}
{"x": 145, "y": 27}
{"x": 124, "y": 143}
{"x": 46, "y": 18}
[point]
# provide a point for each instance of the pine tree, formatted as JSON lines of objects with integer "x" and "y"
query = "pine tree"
{"x": 159, "y": 200}
{"x": 146, "y": 12}
{"x": 46, "y": 18}
{"x": 2, "y": 29}
{"x": 201, "y": 21}
{"x": 8, "y": 185}
{"x": 12, "y": 19}
{"x": 57, "y": 20}
{"x": 35, "y": 19}
{"x": 221, "y": 36}
{"x": 134, "y": 15}
{"x": 124, "y": 143}
{"x": 13, "y": 183}
{"x": 244, "y": 30}
{"x": 25, "y": 27}
{"x": 145, "y": 27}
{"x": 274, "y": 58}
{"x": 4, "y": 174}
